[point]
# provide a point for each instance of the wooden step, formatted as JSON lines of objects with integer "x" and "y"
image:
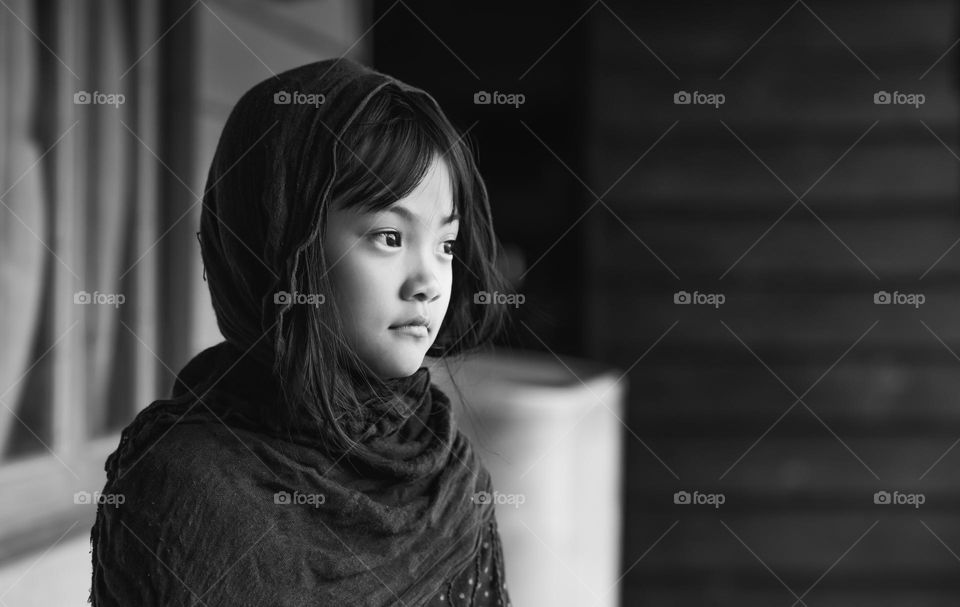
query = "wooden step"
{"x": 819, "y": 102}
{"x": 709, "y": 163}
{"x": 726, "y": 210}
{"x": 799, "y": 548}
{"x": 888, "y": 248}
{"x": 626, "y": 349}
{"x": 869, "y": 29}
{"x": 770, "y": 465}
{"x": 756, "y": 586}
{"x": 705, "y": 399}
{"x": 795, "y": 320}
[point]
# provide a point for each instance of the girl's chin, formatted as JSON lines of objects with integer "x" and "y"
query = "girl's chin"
{"x": 399, "y": 367}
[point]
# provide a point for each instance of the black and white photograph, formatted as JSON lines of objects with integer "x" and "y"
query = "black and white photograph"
{"x": 410, "y": 303}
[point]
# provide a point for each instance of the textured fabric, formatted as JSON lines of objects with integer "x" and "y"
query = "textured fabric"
{"x": 200, "y": 524}
{"x": 482, "y": 583}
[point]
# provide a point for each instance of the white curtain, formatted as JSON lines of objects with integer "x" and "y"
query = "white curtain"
{"x": 97, "y": 208}
{"x": 24, "y": 212}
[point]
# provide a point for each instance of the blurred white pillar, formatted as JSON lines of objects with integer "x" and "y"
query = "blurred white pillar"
{"x": 58, "y": 576}
{"x": 550, "y": 434}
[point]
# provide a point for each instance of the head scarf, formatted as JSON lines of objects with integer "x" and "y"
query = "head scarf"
{"x": 221, "y": 504}
{"x": 251, "y": 251}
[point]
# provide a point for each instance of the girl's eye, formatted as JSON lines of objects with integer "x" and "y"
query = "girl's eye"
{"x": 395, "y": 236}
{"x": 392, "y": 239}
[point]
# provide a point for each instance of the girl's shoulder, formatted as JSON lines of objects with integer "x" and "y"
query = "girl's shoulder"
{"x": 483, "y": 581}
{"x": 186, "y": 514}
{"x": 172, "y": 453}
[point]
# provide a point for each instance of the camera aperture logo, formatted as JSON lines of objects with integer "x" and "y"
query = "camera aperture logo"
{"x": 282, "y": 298}
{"x": 498, "y": 98}
{"x": 698, "y": 98}
{"x": 508, "y": 299}
{"x": 112, "y": 299}
{"x": 898, "y": 98}
{"x": 98, "y": 98}
{"x": 299, "y": 98}
{"x": 107, "y": 499}
{"x": 509, "y": 499}
{"x": 297, "y": 498}
{"x": 885, "y": 498}
{"x": 685, "y": 498}
{"x": 703, "y": 299}
{"x": 903, "y": 299}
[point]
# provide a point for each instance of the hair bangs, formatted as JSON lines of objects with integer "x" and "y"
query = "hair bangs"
{"x": 387, "y": 152}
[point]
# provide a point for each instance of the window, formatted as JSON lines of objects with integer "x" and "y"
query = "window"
{"x": 108, "y": 122}
{"x": 79, "y": 268}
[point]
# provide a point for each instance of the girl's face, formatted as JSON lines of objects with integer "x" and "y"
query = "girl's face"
{"x": 392, "y": 268}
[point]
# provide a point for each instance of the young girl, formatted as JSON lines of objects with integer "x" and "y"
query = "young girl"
{"x": 307, "y": 459}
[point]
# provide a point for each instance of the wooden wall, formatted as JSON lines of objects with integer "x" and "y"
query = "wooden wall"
{"x": 712, "y": 207}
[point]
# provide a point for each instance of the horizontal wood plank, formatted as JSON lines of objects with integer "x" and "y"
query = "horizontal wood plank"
{"x": 876, "y": 248}
{"x": 707, "y": 163}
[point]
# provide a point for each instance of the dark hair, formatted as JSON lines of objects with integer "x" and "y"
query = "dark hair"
{"x": 382, "y": 156}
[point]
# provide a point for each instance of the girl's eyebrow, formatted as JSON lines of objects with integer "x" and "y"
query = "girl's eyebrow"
{"x": 409, "y": 216}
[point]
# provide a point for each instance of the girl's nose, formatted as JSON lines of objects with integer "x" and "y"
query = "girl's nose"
{"x": 422, "y": 283}
{"x": 423, "y": 287}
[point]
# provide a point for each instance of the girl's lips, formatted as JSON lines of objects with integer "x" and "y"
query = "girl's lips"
{"x": 411, "y": 330}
